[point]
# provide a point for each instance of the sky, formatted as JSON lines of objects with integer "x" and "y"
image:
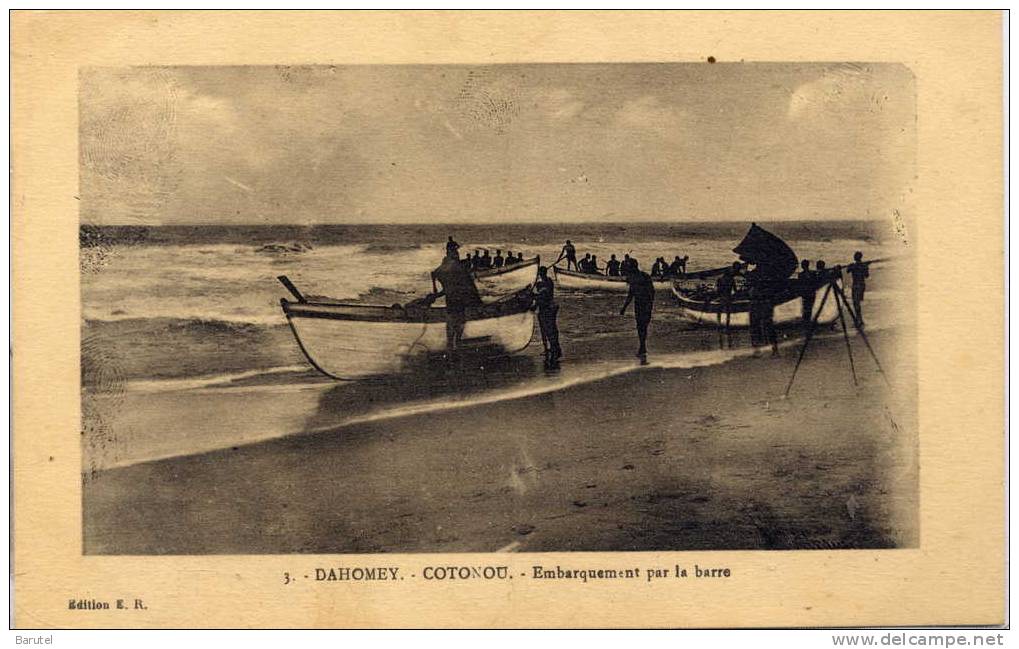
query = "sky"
{"x": 489, "y": 144}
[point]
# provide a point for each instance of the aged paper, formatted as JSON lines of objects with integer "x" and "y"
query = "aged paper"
{"x": 328, "y": 319}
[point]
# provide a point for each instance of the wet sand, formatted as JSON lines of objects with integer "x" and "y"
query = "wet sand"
{"x": 656, "y": 459}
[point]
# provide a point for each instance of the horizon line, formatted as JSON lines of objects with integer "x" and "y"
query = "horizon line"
{"x": 490, "y": 224}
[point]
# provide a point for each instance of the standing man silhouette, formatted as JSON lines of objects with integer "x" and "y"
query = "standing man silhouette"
{"x": 461, "y": 294}
{"x": 569, "y": 252}
{"x": 642, "y": 294}
{"x": 725, "y": 286}
{"x": 544, "y": 299}
{"x": 612, "y": 266}
{"x": 860, "y": 272}
{"x": 452, "y": 247}
{"x": 808, "y": 288}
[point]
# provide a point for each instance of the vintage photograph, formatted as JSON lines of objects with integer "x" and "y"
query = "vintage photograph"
{"x": 556, "y": 307}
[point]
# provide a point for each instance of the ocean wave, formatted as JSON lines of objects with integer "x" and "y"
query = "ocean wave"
{"x": 293, "y": 247}
{"x": 583, "y": 375}
{"x": 194, "y": 321}
{"x": 253, "y": 406}
{"x": 288, "y": 400}
{"x": 222, "y": 281}
{"x": 386, "y": 296}
{"x": 212, "y": 380}
{"x": 387, "y": 248}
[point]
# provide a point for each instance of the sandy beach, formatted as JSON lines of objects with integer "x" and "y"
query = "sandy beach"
{"x": 652, "y": 459}
{"x": 205, "y": 430}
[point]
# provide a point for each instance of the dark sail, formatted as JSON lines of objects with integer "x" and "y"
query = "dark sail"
{"x": 773, "y": 258}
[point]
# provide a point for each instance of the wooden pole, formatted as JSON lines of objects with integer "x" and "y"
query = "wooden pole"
{"x": 845, "y": 331}
{"x": 285, "y": 281}
{"x": 721, "y": 343}
{"x": 863, "y": 335}
{"x": 728, "y": 331}
{"x": 806, "y": 341}
{"x": 544, "y": 339}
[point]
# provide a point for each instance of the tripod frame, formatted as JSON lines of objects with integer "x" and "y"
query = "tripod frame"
{"x": 843, "y": 306}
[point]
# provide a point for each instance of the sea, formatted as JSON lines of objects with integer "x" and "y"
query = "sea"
{"x": 185, "y": 347}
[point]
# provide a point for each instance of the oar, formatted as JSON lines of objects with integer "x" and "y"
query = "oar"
{"x": 880, "y": 260}
{"x": 285, "y": 281}
{"x": 885, "y": 260}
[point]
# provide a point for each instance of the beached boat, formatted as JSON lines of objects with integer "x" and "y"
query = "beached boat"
{"x": 500, "y": 281}
{"x": 353, "y": 341}
{"x": 774, "y": 261}
{"x": 572, "y": 279}
{"x": 702, "y": 307}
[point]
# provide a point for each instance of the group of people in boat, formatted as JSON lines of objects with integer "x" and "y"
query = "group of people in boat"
{"x": 619, "y": 268}
{"x": 481, "y": 260}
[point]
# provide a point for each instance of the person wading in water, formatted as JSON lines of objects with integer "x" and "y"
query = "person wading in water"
{"x": 544, "y": 300}
{"x": 642, "y": 294}
{"x": 762, "y": 310}
{"x": 774, "y": 262}
{"x": 725, "y": 286}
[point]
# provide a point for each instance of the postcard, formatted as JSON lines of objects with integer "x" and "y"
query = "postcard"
{"x": 514, "y": 319}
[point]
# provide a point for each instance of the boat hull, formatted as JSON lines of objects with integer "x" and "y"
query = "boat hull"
{"x": 568, "y": 279}
{"x": 349, "y": 342}
{"x": 507, "y": 279}
{"x": 788, "y": 310}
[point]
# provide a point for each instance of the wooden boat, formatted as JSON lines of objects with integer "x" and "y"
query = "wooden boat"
{"x": 353, "y": 341}
{"x": 500, "y": 281}
{"x": 572, "y": 279}
{"x": 774, "y": 261}
{"x": 576, "y": 280}
{"x": 701, "y": 307}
